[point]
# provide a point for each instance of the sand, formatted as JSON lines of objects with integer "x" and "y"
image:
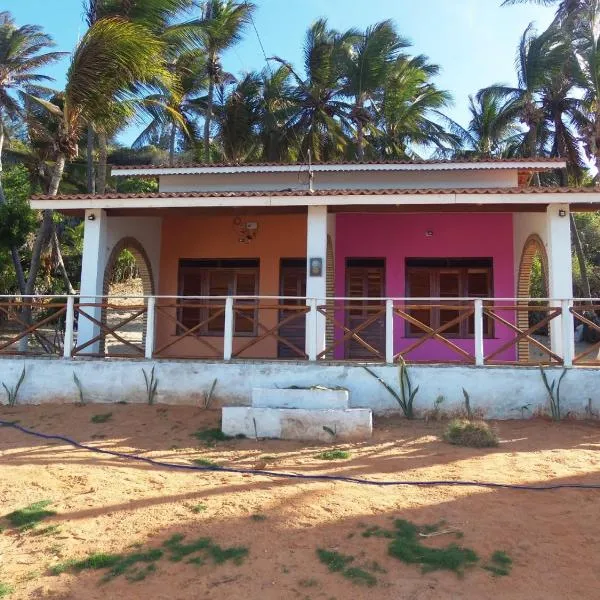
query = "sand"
{"x": 107, "y": 504}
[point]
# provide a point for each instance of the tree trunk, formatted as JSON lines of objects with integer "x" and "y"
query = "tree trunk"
{"x": 91, "y": 175}
{"x": 360, "y": 130}
{"x": 585, "y": 281}
{"x": 102, "y": 162}
{"x": 61, "y": 263}
{"x": 208, "y": 119}
{"x": 172, "y": 142}
{"x": 14, "y": 252}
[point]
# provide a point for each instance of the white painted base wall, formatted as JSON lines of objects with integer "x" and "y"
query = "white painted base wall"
{"x": 499, "y": 392}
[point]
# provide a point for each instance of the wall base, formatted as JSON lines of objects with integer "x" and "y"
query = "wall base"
{"x": 499, "y": 392}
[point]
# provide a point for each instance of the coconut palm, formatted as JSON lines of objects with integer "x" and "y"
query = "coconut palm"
{"x": 219, "y": 28}
{"x": 22, "y": 54}
{"x": 114, "y": 59}
{"x": 409, "y": 111}
{"x": 176, "y": 113}
{"x": 321, "y": 120}
{"x": 367, "y": 68}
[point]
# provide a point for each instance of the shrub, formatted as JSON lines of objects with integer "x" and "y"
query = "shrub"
{"x": 475, "y": 434}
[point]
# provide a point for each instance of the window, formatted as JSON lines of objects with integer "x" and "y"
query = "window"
{"x": 448, "y": 278}
{"x": 218, "y": 278}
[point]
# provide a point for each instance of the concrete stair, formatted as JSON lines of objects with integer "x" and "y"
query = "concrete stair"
{"x": 316, "y": 414}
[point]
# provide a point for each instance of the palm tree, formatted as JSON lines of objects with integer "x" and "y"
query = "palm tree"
{"x": 22, "y": 54}
{"x": 366, "y": 71}
{"x": 176, "y": 113}
{"x": 409, "y": 111}
{"x": 322, "y": 116}
{"x": 220, "y": 27}
{"x": 114, "y": 58}
{"x": 493, "y": 129}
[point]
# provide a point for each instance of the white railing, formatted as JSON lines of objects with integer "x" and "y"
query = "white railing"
{"x": 476, "y": 331}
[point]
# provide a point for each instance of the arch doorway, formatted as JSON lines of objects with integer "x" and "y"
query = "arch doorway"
{"x": 532, "y": 283}
{"x": 128, "y": 272}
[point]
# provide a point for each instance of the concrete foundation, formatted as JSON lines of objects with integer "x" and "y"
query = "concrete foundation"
{"x": 499, "y": 392}
{"x": 312, "y": 399}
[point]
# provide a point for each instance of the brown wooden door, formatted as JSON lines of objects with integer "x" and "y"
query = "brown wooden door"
{"x": 292, "y": 282}
{"x": 365, "y": 278}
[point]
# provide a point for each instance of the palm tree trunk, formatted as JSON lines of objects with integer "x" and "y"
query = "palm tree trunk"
{"x": 14, "y": 252}
{"x": 585, "y": 280}
{"x": 208, "y": 118}
{"x": 61, "y": 263}
{"x": 360, "y": 130}
{"x": 91, "y": 179}
{"x": 172, "y": 144}
{"x": 102, "y": 161}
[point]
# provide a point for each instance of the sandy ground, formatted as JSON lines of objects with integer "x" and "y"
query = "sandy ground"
{"x": 107, "y": 504}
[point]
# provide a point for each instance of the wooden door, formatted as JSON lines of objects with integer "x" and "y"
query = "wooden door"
{"x": 365, "y": 278}
{"x": 292, "y": 282}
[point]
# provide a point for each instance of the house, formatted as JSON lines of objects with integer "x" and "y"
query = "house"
{"x": 428, "y": 261}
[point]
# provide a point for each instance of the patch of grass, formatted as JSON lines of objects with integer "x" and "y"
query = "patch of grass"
{"x": 204, "y": 462}
{"x": 360, "y": 576}
{"x": 178, "y": 550}
{"x": 500, "y": 563}
{"x": 50, "y": 530}
{"x": 334, "y": 561}
{"x": 474, "y": 434}
{"x": 408, "y": 548}
{"x": 5, "y": 590}
{"x": 28, "y": 517}
{"x": 258, "y": 517}
{"x": 334, "y": 455}
{"x": 103, "y": 418}
{"x": 199, "y": 508}
{"x": 211, "y": 436}
{"x": 377, "y": 532}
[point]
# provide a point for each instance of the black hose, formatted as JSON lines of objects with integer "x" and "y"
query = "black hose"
{"x": 338, "y": 478}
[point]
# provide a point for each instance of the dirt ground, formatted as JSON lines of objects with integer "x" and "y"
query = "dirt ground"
{"x": 105, "y": 504}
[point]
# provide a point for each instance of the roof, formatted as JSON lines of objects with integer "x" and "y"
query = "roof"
{"x": 533, "y": 164}
{"x": 320, "y": 193}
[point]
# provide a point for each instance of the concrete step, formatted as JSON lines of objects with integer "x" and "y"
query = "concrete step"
{"x": 298, "y": 424}
{"x": 315, "y": 398}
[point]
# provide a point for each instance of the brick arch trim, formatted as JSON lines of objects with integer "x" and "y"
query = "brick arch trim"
{"x": 141, "y": 258}
{"x": 145, "y": 268}
{"x": 533, "y": 245}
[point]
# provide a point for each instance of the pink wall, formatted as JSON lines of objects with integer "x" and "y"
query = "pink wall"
{"x": 398, "y": 236}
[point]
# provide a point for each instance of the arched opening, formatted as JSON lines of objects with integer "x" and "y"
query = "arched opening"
{"x": 128, "y": 272}
{"x": 532, "y": 283}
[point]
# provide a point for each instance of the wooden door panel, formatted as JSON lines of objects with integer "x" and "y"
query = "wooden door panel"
{"x": 365, "y": 282}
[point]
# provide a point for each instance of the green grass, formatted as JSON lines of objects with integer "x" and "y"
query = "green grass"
{"x": 5, "y": 590}
{"x": 101, "y": 418}
{"x": 360, "y": 576}
{"x": 407, "y": 547}
{"x": 211, "y": 436}
{"x": 204, "y": 462}
{"x": 500, "y": 563}
{"x": 28, "y": 517}
{"x": 199, "y": 508}
{"x": 258, "y": 517}
{"x": 178, "y": 550}
{"x": 473, "y": 434}
{"x": 334, "y": 455}
{"x": 377, "y": 532}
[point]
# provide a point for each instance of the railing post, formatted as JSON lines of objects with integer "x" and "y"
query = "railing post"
{"x": 150, "y": 326}
{"x": 311, "y": 330}
{"x": 568, "y": 333}
{"x": 389, "y": 331}
{"x": 228, "y": 334}
{"x": 69, "y": 327}
{"x": 478, "y": 319}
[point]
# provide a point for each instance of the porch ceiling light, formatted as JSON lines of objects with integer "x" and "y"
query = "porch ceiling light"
{"x": 562, "y": 212}
{"x": 92, "y": 217}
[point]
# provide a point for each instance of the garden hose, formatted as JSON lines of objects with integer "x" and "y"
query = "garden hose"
{"x": 301, "y": 476}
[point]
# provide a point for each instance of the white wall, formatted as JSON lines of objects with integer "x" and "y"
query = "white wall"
{"x": 498, "y": 391}
{"x": 334, "y": 180}
{"x": 524, "y": 225}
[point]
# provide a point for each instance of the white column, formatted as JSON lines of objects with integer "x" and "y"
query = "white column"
{"x": 389, "y": 331}
{"x": 560, "y": 276}
{"x": 150, "y": 328}
{"x": 94, "y": 259}
{"x": 316, "y": 283}
{"x": 228, "y": 329}
{"x": 478, "y": 322}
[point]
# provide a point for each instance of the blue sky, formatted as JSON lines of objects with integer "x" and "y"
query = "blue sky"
{"x": 474, "y": 41}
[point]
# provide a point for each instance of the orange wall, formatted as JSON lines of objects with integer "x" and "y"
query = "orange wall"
{"x": 198, "y": 237}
